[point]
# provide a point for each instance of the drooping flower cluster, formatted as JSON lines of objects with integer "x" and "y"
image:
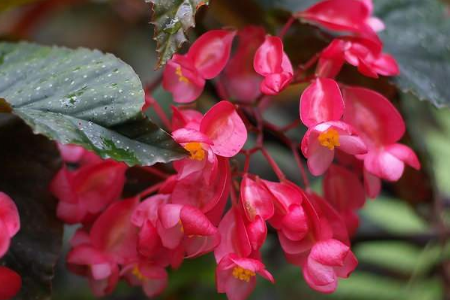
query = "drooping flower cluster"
{"x": 11, "y": 282}
{"x": 352, "y": 139}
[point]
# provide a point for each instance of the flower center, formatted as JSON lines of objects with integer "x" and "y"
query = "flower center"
{"x": 137, "y": 273}
{"x": 243, "y": 274}
{"x": 329, "y": 139}
{"x": 181, "y": 77}
{"x": 196, "y": 150}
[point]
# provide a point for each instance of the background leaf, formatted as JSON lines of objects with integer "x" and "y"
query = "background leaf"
{"x": 417, "y": 34}
{"x": 172, "y": 19}
{"x": 83, "y": 97}
{"x": 28, "y": 163}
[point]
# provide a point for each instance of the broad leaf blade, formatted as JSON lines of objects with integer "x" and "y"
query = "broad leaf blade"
{"x": 28, "y": 163}
{"x": 417, "y": 34}
{"x": 172, "y": 19}
{"x": 83, "y": 97}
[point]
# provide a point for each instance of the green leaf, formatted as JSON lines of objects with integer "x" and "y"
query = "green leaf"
{"x": 83, "y": 97}
{"x": 7, "y": 4}
{"x": 417, "y": 34}
{"x": 172, "y": 19}
{"x": 394, "y": 216}
{"x": 398, "y": 256}
{"x": 28, "y": 163}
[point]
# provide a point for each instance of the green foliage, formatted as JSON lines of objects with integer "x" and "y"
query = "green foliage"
{"x": 172, "y": 19}
{"x": 417, "y": 34}
{"x": 83, "y": 97}
{"x": 28, "y": 163}
{"x": 393, "y": 216}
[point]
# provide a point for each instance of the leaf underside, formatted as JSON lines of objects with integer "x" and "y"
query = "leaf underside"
{"x": 172, "y": 19}
{"x": 83, "y": 97}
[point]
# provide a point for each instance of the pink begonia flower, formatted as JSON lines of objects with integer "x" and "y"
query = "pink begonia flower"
{"x": 328, "y": 260}
{"x": 186, "y": 118}
{"x": 150, "y": 246}
{"x": 221, "y": 130}
{"x": 344, "y": 15}
{"x": 381, "y": 126}
{"x": 186, "y": 226}
{"x": 207, "y": 194}
{"x": 203, "y": 178}
{"x": 87, "y": 191}
{"x": 185, "y": 75}
{"x": 306, "y": 226}
{"x": 9, "y": 222}
{"x": 233, "y": 236}
{"x": 272, "y": 62}
{"x": 113, "y": 232}
{"x": 236, "y": 276}
{"x": 152, "y": 278}
{"x": 320, "y": 102}
{"x": 100, "y": 268}
{"x": 321, "y": 108}
{"x": 256, "y": 200}
{"x": 11, "y": 283}
{"x": 345, "y": 192}
{"x": 239, "y": 80}
{"x": 362, "y": 53}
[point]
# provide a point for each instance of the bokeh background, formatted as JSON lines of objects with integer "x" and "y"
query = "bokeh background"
{"x": 402, "y": 244}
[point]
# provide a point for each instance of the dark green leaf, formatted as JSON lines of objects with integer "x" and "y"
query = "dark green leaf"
{"x": 83, "y": 97}
{"x": 172, "y": 19}
{"x": 28, "y": 163}
{"x": 417, "y": 34}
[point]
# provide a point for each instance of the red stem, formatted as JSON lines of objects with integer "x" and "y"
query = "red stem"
{"x": 286, "y": 27}
{"x": 156, "y": 172}
{"x": 300, "y": 166}
{"x": 274, "y": 165}
{"x": 150, "y": 190}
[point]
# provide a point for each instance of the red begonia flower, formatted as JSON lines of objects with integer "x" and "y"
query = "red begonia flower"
{"x": 185, "y": 75}
{"x": 272, "y": 62}
{"x": 11, "y": 283}
{"x": 236, "y": 276}
{"x": 9, "y": 222}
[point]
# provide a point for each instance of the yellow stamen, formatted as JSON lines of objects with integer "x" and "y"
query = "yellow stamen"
{"x": 181, "y": 77}
{"x": 329, "y": 139}
{"x": 137, "y": 273}
{"x": 243, "y": 274}
{"x": 196, "y": 150}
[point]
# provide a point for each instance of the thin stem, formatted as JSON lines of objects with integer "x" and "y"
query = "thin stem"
{"x": 247, "y": 163}
{"x": 151, "y": 86}
{"x": 156, "y": 172}
{"x": 149, "y": 89}
{"x": 274, "y": 165}
{"x": 300, "y": 166}
{"x": 286, "y": 27}
{"x": 150, "y": 190}
{"x": 162, "y": 115}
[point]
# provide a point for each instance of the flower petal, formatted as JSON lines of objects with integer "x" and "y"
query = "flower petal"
{"x": 225, "y": 129}
{"x": 321, "y": 102}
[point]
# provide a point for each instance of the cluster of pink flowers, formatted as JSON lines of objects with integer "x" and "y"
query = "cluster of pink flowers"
{"x": 352, "y": 140}
{"x": 11, "y": 282}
